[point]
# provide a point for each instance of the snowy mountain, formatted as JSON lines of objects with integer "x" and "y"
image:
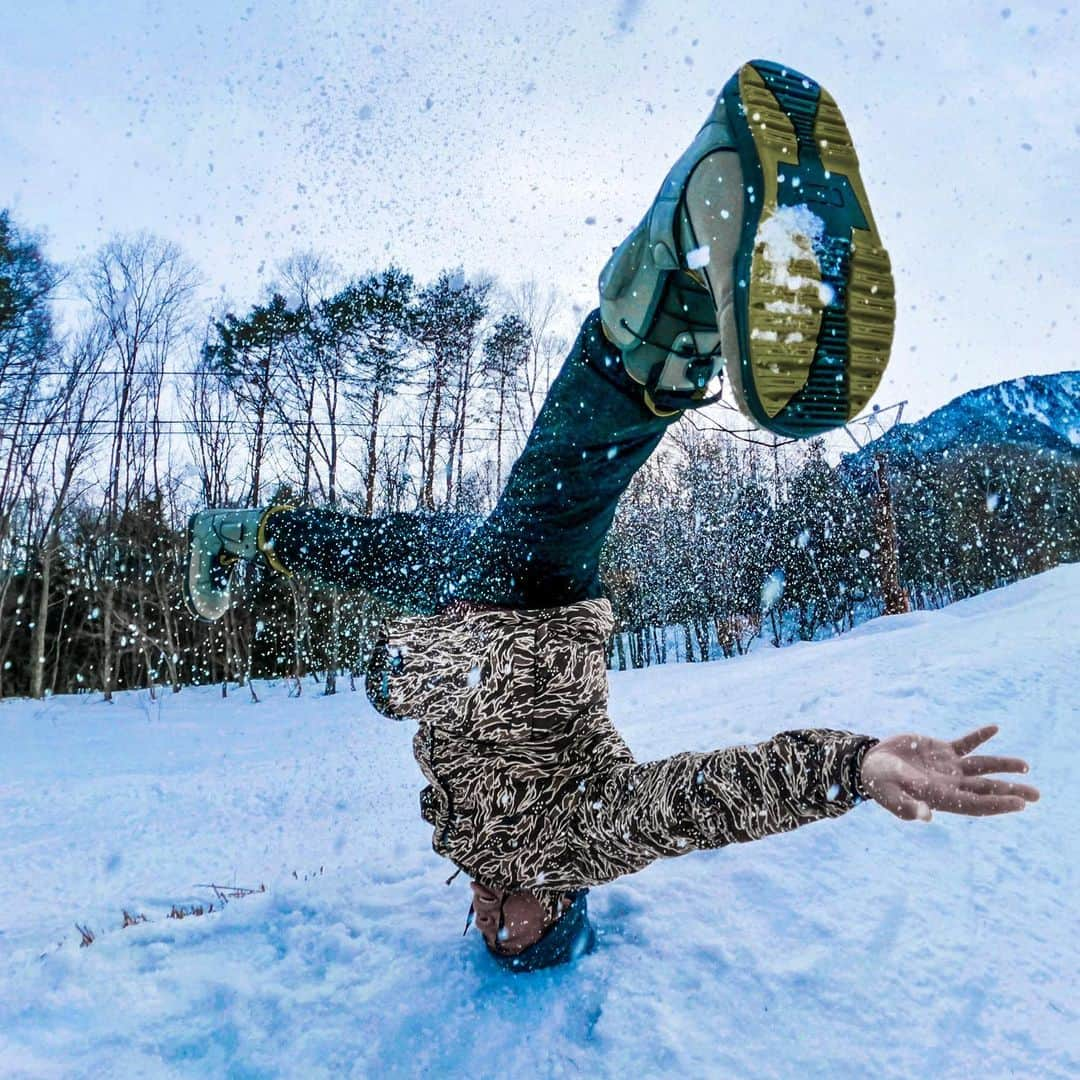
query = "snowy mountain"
{"x": 858, "y": 947}
{"x": 1037, "y": 411}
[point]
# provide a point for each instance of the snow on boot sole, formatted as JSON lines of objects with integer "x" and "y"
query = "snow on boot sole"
{"x": 815, "y": 300}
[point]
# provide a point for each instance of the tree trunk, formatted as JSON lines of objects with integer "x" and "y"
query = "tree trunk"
{"x": 334, "y": 658}
{"x": 372, "y": 452}
{"x": 106, "y": 644}
{"x": 499, "y": 437}
{"x": 38, "y": 646}
{"x": 688, "y": 638}
{"x": 57, "y": 644}
{"x": 620, "y": 650}
{"x": 428, "y": 496}
{"x": 702, "y": 628}
{"x": 896, "y": 600}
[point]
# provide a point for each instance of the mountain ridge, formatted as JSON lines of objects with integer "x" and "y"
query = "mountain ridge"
{"x": 1036, "y": 411}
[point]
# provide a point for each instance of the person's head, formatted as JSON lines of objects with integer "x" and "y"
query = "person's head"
{"x": 525, "y": 933}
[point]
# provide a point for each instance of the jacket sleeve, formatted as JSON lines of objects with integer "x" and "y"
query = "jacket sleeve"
{"x": 634, "y": 814}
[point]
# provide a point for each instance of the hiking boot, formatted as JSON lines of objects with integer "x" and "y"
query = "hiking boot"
{"x": 217, "y": 541}
{"x": 760, "y": 254}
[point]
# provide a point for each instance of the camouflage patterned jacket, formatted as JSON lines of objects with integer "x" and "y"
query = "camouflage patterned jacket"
{"x": 529, "y": 784}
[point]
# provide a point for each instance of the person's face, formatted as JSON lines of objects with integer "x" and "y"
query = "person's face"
{"x": 523, "y": 921}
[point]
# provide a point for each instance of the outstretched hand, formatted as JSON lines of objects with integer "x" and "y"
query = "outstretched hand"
{"x": 912, "y": 775}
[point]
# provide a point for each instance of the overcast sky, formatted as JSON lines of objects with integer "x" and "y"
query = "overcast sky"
{"x": 525, "y": 139}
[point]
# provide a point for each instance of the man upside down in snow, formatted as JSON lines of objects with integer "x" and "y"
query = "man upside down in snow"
{"x": 760, "y": 257}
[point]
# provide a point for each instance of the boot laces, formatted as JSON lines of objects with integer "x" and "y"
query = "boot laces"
{"x": 696, "y": 360}
{"x": 684, "y": 352}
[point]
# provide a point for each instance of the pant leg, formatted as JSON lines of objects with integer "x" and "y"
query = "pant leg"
{"x": 405, "y": 560}
{"x": 540, "y": 547}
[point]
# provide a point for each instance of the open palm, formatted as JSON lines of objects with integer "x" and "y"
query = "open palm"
{"x": 912, "y": 775}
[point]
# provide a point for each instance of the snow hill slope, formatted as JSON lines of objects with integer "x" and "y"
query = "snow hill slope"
{"x": 1040, "y": 412}
{"x": 863, "y": 946}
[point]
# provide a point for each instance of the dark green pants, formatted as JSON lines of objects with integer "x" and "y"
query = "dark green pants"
{"x": 540, "y": 546}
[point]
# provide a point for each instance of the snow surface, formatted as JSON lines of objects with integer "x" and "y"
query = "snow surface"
{"x": 864, "y": 946}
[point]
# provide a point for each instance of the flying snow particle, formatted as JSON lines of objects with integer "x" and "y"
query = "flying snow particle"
{"x": 864, "y": 554}
{"x": 992, "y": 500}
{"x": 772, "y": 589}
{"x": 698, "y": 258}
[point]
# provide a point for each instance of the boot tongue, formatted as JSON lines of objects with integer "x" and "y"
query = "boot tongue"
{"x": 711, "y": 220}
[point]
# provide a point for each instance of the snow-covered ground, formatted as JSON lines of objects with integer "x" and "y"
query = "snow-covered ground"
{"x": 863, "y": 946}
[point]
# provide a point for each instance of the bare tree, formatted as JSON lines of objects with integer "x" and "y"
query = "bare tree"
{"x": 447, "y": 319}
{"x": 373, "y": 319}
{"x": 506, "y": 353}
{"x": 249, "y": 353}
{"x": 307, "y": 401}
{"x": 76, "y": 434}
{"x": 139, "y": 289}
{"x": 538, "y": 308}
{"x": 211, "y": 437}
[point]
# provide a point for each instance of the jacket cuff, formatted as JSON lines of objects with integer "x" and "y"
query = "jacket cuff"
{"x": 853, "y": 768}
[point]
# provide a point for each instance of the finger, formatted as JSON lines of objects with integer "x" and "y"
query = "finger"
{"x": 985, "y": 786}
{"x": 966, "y": 743}
{"x": 981, "y": 764}
{"x": 981, "y": 805}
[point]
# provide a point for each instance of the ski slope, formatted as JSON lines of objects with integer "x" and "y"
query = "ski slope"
{"x": 864, "y": 946}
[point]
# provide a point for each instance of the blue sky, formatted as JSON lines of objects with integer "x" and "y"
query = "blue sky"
{"x": 527, "y": 139}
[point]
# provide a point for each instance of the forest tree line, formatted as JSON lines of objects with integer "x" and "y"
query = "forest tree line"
{"x": 373, "y": 393}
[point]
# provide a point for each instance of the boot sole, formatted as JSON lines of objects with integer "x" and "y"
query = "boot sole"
{"x": 815, "y": 323}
